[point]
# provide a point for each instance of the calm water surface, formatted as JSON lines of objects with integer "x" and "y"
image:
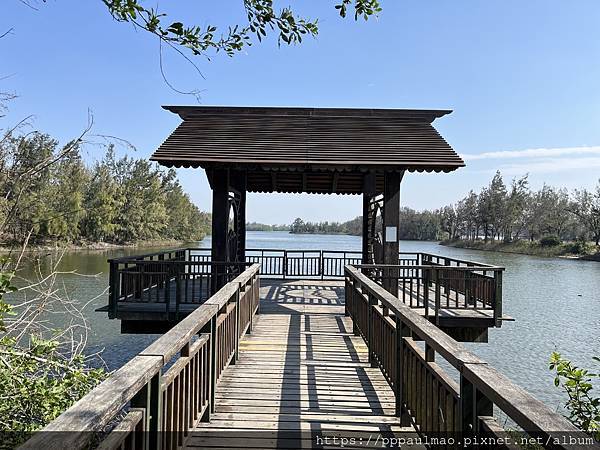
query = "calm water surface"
{"x": 555, "y": 304}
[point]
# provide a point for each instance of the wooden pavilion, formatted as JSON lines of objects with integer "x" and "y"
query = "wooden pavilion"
{"x": 312, "y": 150}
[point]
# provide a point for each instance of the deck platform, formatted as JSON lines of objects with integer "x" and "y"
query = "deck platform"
{"x": 154, "y": 310}
{"x": 301, "y": 376}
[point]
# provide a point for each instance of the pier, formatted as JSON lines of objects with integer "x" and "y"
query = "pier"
{"x": 269, "y": 348}
{"x": 152, "y": 292}
{"x": 285, "y": 364}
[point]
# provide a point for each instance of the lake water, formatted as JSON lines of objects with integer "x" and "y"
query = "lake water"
{"x": 555, "y": 304}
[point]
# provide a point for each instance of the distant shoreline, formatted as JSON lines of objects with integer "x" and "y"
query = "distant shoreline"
{"x": 92, "y": 246}
{"x": 565, "y": 250}
{"x": 323, "y": 233}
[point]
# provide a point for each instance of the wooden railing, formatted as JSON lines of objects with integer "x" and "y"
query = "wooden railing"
{"x": 172, "y": 278}
{"x": 436, "y": 287}
{"x": 161, "y": 393}
{"x": 187, "y": 276}
{"x": 404, "y": 345}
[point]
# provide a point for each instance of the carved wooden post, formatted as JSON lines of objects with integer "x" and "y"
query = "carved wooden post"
{"x": 391, "y": 228}
{"x": 369, "y": 191}
{"x": 220, "y": 222}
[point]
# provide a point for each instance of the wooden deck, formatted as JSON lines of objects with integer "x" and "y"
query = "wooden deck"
{"x": 302, "y": 375}
{"x": 155, "y": 309}
{"x": 302, "y": 379}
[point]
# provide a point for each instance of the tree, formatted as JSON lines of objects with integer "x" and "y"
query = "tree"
{"x": 66, "y": 194}
{"x": 101, "y": 205}
{"x": 449, "y": 221}
{"x": 261, "y": 19}
{"x": 297, "y": 226}
{"x": 48, "y": 191}
{"x": 586, "y": 206}
{"x": 516, "y": 202}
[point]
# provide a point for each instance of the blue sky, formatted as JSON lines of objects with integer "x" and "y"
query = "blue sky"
{"x": 521, "y": 76}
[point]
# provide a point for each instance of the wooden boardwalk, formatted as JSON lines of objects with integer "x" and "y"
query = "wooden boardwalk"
{"x": 302, "y": 375}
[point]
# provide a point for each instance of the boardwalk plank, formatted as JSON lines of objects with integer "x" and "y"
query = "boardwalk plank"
{"x": 300, "y": 371}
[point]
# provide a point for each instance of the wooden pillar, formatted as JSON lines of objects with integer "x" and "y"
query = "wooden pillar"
{"x": 220, "y": 223}
{"x": 391, "y": 227}
{"x": 241, "y": 185}
{"x": 368, "y": 193}
{"x": 365, "y": 229}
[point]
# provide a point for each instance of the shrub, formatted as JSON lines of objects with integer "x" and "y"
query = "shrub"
{"x": 580, "y": 247}
{"x": 582, "y": 407}
{"x": 550, "y": 241}
{"x": 40, "y": 377}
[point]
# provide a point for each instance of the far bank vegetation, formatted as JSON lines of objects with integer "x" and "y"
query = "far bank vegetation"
{"x": 49, "y": 193}
{"x": 516, "y": 218}
{"x": 550, "y": 221}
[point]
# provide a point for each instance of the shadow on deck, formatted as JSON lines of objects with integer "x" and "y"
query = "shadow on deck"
{"x": 301, "y": 376}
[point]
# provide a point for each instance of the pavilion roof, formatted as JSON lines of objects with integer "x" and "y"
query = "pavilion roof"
{"x": 320, "y": 150}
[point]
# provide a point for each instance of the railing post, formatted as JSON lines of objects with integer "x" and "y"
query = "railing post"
{"x": 355, "y": 292}
{"x": 114, "y": 288}
{"x": 321, "y": 264}
{"x": 446, "y": 284}
{"x": 467, "y": 288}
{"x": 149, "y": 398}
{"x": 473, "y": 404}
{"x": 285, "y": 263}
{"x": 371, "y": 304}
{"x": 438, "y": 295}
{"x": 207, "y": 329}
{"x": 466, "y": 410}
{"x": 498, "y": 298}
{"x": 213, "y": 361}
{"x": 402, "y": 331}
{"x": 236, "y": 353}
{"x": 425, "y": 291}
{"x": 429, "y": 353}
{"x": 177, "y": 289}
{"x": 252, "y": 294}
{"x": 346, "y": 295}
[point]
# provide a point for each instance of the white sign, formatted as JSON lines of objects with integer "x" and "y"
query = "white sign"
{"x": 391, "y": 234}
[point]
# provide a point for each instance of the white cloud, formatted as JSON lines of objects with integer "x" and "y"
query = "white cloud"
{"x": 551, "y": 165}
{"x": 535, "y": 153}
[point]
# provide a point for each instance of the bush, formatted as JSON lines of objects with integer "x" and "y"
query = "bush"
{"x": 580, "y": 247}
{"x": 582, "y": 407}
{"x": 39, "y": 377}
{"x": 550, "y": 241}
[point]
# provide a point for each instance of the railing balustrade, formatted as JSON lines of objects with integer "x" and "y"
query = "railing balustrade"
{"x": 404, "y": 345}
{"x": 187, "y": 276}
{"x": 156, "y": 398}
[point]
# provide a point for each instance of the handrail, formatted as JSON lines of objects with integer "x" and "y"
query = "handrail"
{"x": 481, "y": 386}
{"x": 207, "y": 340}
{"x": 428, "y": 266}
{"x": 186, "y": 276}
